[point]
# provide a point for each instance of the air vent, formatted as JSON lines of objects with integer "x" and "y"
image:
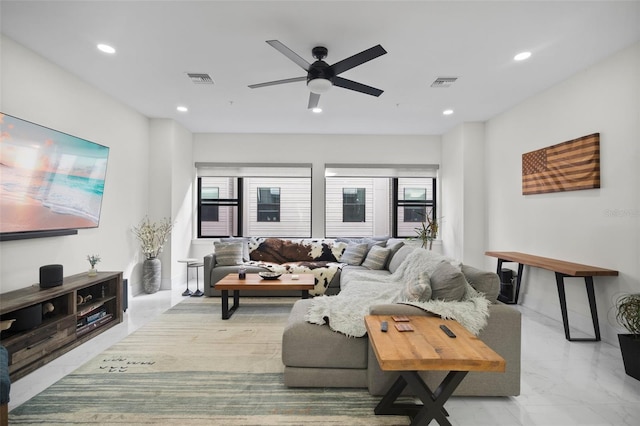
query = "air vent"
{"x": 443, "y": 82}
{"x": 198, "y": 78}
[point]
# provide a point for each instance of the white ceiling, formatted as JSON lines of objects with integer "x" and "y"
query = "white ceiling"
{"x": 158, "y": 42}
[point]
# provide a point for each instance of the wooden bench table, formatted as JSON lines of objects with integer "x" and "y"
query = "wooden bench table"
{"x": 426, "y": 348}
{"x": 561, "y": 269}
{"x": 285, "y": 282}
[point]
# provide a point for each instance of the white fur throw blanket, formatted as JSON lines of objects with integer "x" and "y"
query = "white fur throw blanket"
{"x": 345, "y": 311}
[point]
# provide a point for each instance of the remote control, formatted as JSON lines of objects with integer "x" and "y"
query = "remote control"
{"x": 447, "y": 331}
{"x": 384, "y": 326}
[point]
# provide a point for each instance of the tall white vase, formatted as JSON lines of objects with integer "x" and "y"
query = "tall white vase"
{"x": 151, "y": 275}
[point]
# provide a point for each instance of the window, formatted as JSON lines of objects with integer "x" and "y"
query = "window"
{"x": 353, "y": 204}
{"x": 253, "y": 200}
{"x": 414, "y": 201}
{"x": 210, "y": 207}
{"x": 415, "y": 213}
{"x": 218, "y": 206}
{"x": 348, "y": 207}
{"x": 268, "y": 204}
{"x": 378, "y": 200}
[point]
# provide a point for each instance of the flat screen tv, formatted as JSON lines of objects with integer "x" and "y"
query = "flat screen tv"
{"x": 51, "y": 183}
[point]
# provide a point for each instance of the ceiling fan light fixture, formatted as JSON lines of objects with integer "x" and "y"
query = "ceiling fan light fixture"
{"x": 316, "y": 110}
{"x": 319, "y": 85}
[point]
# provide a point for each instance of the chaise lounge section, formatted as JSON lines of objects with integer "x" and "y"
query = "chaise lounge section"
{"x": 316, "y": 356}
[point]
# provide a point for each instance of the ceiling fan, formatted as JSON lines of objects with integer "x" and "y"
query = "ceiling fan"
{"x": 322, "y": 76}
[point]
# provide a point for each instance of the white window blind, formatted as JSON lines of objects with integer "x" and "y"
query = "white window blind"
{"x": 381, "y": 170}
{"x": 253, "y": 170}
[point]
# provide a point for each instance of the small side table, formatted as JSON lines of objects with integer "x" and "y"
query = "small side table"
{"x": 189, "y": 261}
{"x": 196, "y": 265}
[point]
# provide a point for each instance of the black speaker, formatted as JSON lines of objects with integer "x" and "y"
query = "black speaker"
{"x": 50, "y": 276}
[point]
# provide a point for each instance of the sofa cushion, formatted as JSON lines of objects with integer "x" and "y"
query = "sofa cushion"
{"x": 243, "y": 241}
{"x": 447, "y": 283}
{"x": 376, "y": 258}
{"x": 399, "y": 257}
{"x": 370, "y": 242}
{"x": 228, "y": 254}
{"x": 393, "y": 245}
{"x": 416, "y": 290}
{"x": 312, "y": 345}
{"x": 354, "y": 253}
{"x": 482, "y": 281}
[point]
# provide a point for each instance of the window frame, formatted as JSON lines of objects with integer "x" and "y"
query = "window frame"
{"x": 220, "y": 202}
{"x": 430, "y": 205}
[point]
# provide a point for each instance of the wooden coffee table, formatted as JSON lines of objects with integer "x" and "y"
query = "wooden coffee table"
{"x": 305, "y": 282}
{"x": 427, "y": 348}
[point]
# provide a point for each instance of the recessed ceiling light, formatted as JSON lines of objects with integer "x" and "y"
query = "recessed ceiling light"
{"x": 522, "y": 56}
{"x": 447, "y": 112}
{"x": 182, "y": 108}
{"x": 106, "y": 49}
{"x": 317, "y": 110}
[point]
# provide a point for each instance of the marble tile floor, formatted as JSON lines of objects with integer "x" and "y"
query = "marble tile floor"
{"x": 563, "y": 383}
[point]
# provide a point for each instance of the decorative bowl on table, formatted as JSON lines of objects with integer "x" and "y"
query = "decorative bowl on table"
{"x": 269, "y": 275}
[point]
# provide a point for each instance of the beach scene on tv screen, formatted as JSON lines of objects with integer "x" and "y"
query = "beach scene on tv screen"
{"x": 49, "y": 180}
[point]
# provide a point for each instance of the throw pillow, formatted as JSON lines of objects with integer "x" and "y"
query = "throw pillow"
{"x": 483, "y": 281}
{"x": 376, "y": 258}
{"x": 393, "y": 246}
{"x": 448, "y": 283}
{"x": 228, "y": 254}
{"x": 399, "y": 257}
{"x": 354, "y": 254}
{"x": 417, "y": 291}
{"x": 245, "y": 245}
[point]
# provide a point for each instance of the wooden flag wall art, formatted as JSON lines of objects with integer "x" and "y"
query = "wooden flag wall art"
{"x": 567, "y": 166}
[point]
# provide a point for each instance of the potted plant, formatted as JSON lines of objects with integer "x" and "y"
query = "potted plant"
{"x": 93, "y": 261}
{"x": 152, "y": 237}
{"x": 428, "y": 231}
{"x": 628, "y": 316}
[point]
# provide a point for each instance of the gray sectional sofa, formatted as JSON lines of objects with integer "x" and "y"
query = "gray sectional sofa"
{"x": 316, "y": 356}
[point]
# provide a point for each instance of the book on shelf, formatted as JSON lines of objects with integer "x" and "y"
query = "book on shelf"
{"x": 87, "y": 328}
{"x": 92, "y": 317}
{"x": 87, "y": 309}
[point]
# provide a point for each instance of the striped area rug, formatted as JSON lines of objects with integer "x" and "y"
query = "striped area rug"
{"x": 188, "y": 367}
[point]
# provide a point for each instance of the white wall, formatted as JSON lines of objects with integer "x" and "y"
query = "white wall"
{"x": 36, "y": 90}
{"x": 599, "y": 227}
{"x": 171, "y": 177}
{"x": 462, "y": 198}
{"x": 315, "y": 149}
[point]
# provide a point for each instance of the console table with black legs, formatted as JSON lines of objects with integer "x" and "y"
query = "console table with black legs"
{"x": 561, "y": 269}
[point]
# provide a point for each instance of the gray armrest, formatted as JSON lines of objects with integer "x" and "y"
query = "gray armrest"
{"x": 209, "y": 263}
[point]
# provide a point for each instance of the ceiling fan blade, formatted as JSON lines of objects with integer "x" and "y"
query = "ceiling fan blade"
{"x": 273, "y": 83}
{"x": 358, "y": 87}
{"x": 357, "y": 59}
{"x": 289, "y": 54}
{"x": 314, "y": 99}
